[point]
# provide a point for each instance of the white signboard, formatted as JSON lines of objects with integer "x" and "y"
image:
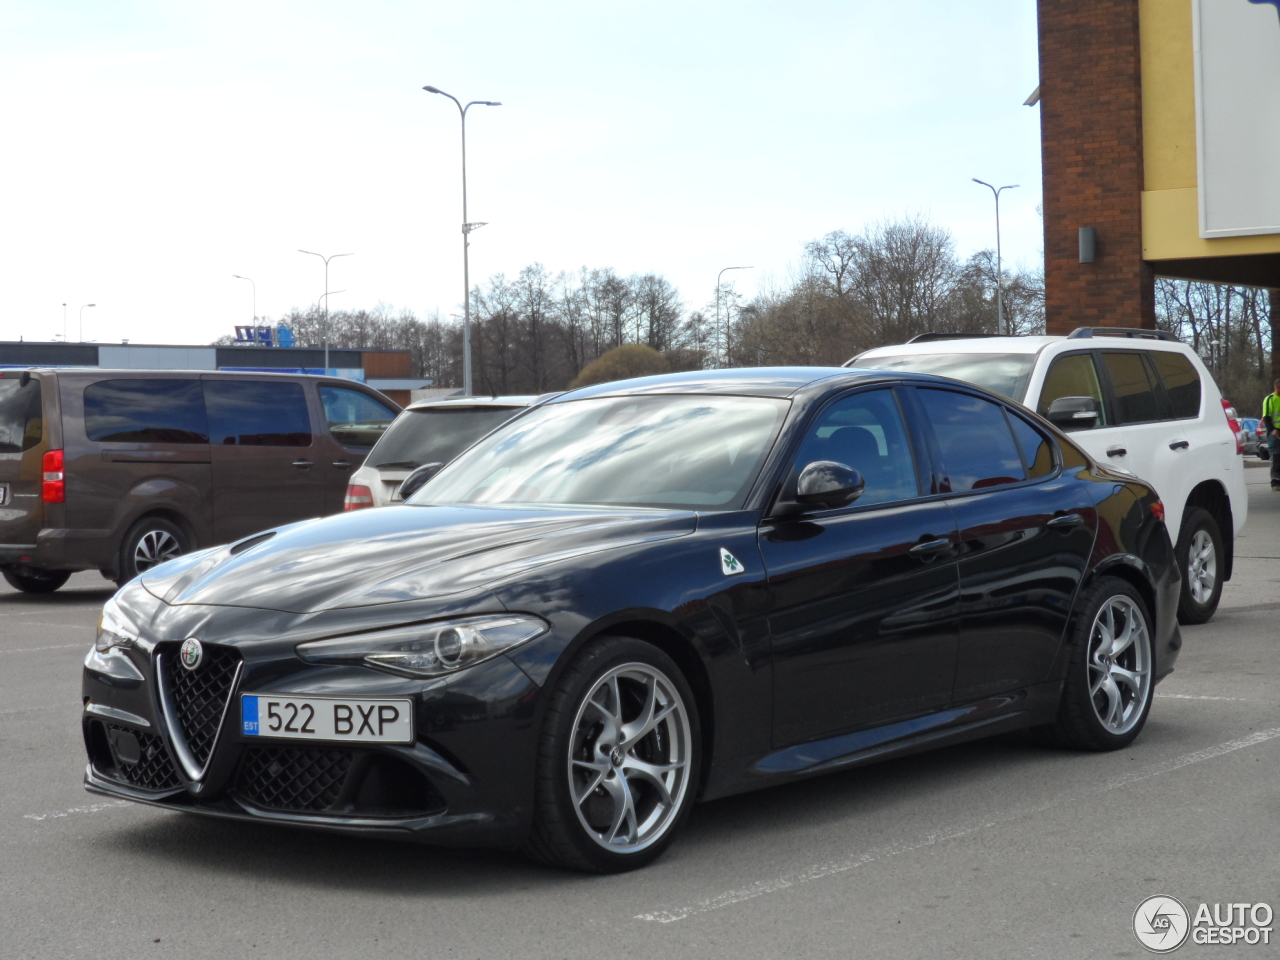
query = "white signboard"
{"x": 1237, "y": 57}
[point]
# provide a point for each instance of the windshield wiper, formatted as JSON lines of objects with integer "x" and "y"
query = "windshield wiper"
{"x": 410, "y": 464}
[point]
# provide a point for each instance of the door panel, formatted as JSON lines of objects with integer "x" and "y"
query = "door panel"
{"x": 1076, "y": 375}
{"x": 264, "y": 471}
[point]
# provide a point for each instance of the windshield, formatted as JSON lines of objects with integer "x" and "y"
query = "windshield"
{"x": 21, "y": 418}
{"x": 1004, "y": 373}
{"x": 435, "y": 435}
{"x": 655, "y": 451}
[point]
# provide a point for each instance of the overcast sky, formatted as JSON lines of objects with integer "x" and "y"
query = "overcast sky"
{"x": 151, "y": 150}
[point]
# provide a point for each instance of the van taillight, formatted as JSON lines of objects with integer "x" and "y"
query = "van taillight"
{"x": 54, "y": 487}
{"x": 358, "y": 497}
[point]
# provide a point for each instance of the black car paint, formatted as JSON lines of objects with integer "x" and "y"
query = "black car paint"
{"x": 655, "y": 574}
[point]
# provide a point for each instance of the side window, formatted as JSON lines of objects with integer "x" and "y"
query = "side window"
{"x": 145, "y": 411}
{"x": 21, "y": 415}
{"x": 1072, "y": 376}
{"x": 1037, "y": 450}
{"x": 865, "y": 431}
{"x": 973, "y": 437}
{"x": 251, "y": 413}
{"x": 1181, "y": 383}
{"x": 1136, "y": 400}
{"x": 355, "y": 418}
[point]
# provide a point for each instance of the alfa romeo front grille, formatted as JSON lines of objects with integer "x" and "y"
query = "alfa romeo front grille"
{"x": 200, "y": 696}
{"x": 292, "y": 778}
{"x": 154, "y": 769}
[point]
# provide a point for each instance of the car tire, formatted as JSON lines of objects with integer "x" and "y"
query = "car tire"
{"x": 1106, "y": 694}
{"x": 149, "y": 542}
{"x": 613, "y": 788}
{"x": 37, "y": 581}
{"x": 1199, "y": 555}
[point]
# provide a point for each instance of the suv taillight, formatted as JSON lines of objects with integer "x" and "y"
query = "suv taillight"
{"x": 358, "y": 497}
{"x": 1234, "y": 423}
{"x": 53, "y": 489}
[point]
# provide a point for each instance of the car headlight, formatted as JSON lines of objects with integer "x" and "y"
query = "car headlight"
{"x": 114, "y": 628}
{"x": 429, "y": 649}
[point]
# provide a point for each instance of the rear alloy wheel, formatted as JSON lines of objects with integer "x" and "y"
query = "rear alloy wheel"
{"x": 1107, "y": 692}
{"x": 37, "y": 581}
{"x": 1200, "y": 556}
{"x": 150, "y": 542}
{"x": 618, "y": 760}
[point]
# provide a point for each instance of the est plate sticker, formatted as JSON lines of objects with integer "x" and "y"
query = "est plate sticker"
{"x": 326, "y": 718}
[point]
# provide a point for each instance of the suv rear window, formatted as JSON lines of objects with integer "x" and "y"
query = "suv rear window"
{"x": 21, "y": 416}
{"x": 145, "y": 411}
{"x": 1181, "y": 383}
{"x": 1137, "y": 400}
{"x": 436, "y": 434}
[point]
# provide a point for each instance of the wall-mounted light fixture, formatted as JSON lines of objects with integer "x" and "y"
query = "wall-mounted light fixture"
{"x": 1088, "y": 244}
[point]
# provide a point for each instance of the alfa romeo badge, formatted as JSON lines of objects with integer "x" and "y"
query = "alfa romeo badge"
{"x": 191, "y": 653}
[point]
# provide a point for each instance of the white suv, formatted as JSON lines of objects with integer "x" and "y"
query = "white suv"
{"x": 1135, "y": 399}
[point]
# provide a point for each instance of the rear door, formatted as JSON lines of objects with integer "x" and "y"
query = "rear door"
{"x": 353, "y": 422}
{"x": 265, "y": 469}
{"x": 23, "y": 442}
{"x": 1159, "y": 446}
{"x": 1026, "y": 532}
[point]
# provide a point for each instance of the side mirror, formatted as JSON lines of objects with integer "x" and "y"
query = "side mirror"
{"x": 828, "y": 485}
{"x": 1074, "y": 413}
{"x": 418, "y": 479}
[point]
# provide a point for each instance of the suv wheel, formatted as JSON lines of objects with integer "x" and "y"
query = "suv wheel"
{"x": 150, "y": 541}
{"x": 618, "y": 758}
{"x": 1199, "y": 554}
{"x": 1106, "y": 695}
{"x": 37, "y": 581}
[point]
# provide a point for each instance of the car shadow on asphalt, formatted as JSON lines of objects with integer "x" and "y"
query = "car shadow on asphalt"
{"x": 70, "y": 599}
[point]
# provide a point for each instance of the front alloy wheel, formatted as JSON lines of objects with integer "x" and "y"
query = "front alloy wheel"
{"x": 1119, "y": 665}
{"x": 629, "y": 759}
{"x": 618, "y": 759}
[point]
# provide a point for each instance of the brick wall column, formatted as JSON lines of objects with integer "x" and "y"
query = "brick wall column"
{"x": 1091, "y": 147}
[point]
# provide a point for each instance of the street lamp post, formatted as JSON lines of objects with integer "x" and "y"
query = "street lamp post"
{"x": 64, "y": 323}
{"x": 255, "y": 296}
{"x": 467, "y": 227}
{"x": 999, "y": 263}
{"x": 82, "y": 320}
{"x": 726, "y": 328}
{"x": 324, "y": 333}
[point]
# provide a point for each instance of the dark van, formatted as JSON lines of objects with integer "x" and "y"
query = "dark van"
{"x": 118, "y": 470}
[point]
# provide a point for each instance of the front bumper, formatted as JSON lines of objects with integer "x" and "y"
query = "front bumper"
{"x": 466, "y": 781}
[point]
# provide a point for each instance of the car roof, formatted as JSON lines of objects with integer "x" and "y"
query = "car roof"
{"x": 742, "y": 381}
{"x": 456, "y": 402}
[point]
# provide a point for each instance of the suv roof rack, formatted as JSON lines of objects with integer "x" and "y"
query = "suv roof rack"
{"x": 931, "y": 337}
{"x": 1136, "y": 333}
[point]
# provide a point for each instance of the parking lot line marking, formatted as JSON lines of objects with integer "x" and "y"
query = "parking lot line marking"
{"x": 91, "y": 808}
{"x": 58, "y": 646}
{"x": 1188, "y": 696}
{"x": 820, "y": 871}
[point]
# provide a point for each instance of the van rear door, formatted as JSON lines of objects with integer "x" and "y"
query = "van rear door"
{"x": 24, "y": 438}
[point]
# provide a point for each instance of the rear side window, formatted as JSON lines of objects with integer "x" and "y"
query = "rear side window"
{"x": 1135, "y": 391}
{"x": 145, "y": 411}
{"x": 435, "y": 434}
{"x": 21, "y": 416}
{"x": 1072, "y": 376}
{"x": 1037, "y": 451}
{"x": 973, "y": 437}
{"x": 251, "y": 413}
{"x": 865, "y": 431}
{"x": 355, "y": 418}
{"x": 1181, "y": 383}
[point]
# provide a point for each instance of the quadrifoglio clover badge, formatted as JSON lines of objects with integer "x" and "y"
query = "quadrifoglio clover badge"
{"x": 729, "y": 564}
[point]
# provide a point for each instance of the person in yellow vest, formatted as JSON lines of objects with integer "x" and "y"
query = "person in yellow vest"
{"x": 1271, "y": 422}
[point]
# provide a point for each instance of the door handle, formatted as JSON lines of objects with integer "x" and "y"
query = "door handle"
{"x": 1180, "y": 445}
{"x": 930, "y": 549}
{"x": 342, "y": 464}
{"x": 1117, "y": 452}
{"x": 1067, "y": 521}
{"x": 302, "y": 464}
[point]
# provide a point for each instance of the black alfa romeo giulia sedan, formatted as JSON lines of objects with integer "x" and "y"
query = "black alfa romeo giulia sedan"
{"x": 639, "y": 595}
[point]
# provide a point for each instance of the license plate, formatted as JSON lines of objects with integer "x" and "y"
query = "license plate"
{"x": 326, "y": 718}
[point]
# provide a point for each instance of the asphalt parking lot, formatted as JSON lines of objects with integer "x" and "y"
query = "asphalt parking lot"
{"x": 994, "y": 849}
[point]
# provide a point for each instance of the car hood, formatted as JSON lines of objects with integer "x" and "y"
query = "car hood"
{"x": 394, "y": 554}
